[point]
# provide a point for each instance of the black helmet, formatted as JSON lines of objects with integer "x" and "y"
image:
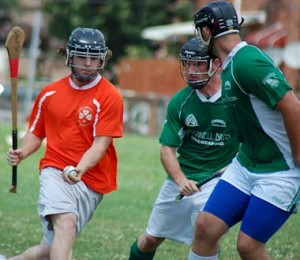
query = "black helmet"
{"x": 86, "y": 42}
{"x": 220, "y": 17}
{"x": 196, "y": 65}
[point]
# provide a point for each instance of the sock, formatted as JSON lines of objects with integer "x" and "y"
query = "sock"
{"x": 136, "y": 254}
{"x": 193, "y": 256}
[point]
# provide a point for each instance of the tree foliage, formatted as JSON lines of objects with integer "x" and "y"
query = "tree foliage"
{"x": 121, "y": 21}
{"x": 5, "y": 19}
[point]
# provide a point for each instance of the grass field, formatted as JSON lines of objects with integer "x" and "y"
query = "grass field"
{"x": 120, "y": 218}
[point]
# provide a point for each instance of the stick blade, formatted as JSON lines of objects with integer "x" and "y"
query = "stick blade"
{"x": 14, "y": 42}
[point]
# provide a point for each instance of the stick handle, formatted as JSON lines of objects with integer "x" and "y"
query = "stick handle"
{"x": 13, "y": 188}
{"x": 14, "y": 109}
{"x": 199, "y": 184}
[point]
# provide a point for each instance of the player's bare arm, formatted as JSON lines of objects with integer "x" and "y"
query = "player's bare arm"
{"x": 172, "y": 167}
{"x": 289, "y": 106}
{"x": 30, "y": 144}
{"x": 92, "y": 156}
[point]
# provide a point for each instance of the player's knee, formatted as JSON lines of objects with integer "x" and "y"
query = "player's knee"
{"x": 45, "y": 253}
{"x": 243, "y": 248}
{"x": 64, "y": 224}
{"x": 248, "y": 247}
{"x": 201, "y": 229}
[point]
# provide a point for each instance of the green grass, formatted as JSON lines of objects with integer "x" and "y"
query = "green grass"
{"x": 122, "y": 215}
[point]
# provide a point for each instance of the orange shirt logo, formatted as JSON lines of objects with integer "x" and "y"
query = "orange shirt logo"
{"x": 85, "y": 116}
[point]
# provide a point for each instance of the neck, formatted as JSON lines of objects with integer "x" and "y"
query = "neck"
{"x": 213, "y": 86}
{"x": 224, "y": 45}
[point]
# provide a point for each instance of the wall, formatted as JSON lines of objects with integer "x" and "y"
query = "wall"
{"x": 146, "y": 86}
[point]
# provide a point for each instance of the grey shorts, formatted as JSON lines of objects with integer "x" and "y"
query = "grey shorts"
{"x": 57, "y": 196}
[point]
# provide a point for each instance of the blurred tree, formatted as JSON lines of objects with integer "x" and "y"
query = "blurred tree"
{"x": 121, "y": 21}
{"x": 5, "y": 19}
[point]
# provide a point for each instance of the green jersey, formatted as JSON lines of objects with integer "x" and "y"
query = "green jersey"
{"x": 200, "y": 130}
{"x": 252, "y": 85}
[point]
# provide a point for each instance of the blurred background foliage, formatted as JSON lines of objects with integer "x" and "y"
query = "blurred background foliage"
{"x": 121, "y": 21}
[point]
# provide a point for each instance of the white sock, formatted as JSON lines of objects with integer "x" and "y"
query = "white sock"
{"x": 193, "y": 256}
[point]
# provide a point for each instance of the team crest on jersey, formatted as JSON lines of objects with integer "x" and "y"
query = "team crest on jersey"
{"x": 271, "y": 80}
{"x": 227, "y": 85}
{"x": 191, "y": 120}
{"x": 85, "y": 116}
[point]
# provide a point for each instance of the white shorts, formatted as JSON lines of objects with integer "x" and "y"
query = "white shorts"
{"x": 281, "y": 189}
{"x": 175, "y": 221}
{"x": 57, "y": 196}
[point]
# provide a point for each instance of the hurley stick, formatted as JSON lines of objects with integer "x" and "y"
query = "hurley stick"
{"x": 14, "y": 43}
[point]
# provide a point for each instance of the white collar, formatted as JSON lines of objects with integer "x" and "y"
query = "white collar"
{"x": 211, "y": 99}
{"x": 87, "y": 86}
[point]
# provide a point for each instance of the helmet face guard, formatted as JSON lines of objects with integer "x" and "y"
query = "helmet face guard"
{"x": 196, "y": 66}
{"x": 86, "y": 44}
{"x": 220, "y": 17}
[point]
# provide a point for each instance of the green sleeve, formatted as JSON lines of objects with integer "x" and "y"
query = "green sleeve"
{"x": 170, "y": 135}
{"x": 258, "y": 75}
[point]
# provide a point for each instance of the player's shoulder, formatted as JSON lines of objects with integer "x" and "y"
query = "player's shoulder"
{"x": 56, "y": 84}
{"x": 251, "y": 53}
{"x": 106, "y": 85}
{"x": 53, "y": 87}
{"x": 182, "y": 94}
{"x": 106, "y": 89}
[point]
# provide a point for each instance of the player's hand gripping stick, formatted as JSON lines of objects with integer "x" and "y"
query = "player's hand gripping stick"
{"x": 199, "y": 184}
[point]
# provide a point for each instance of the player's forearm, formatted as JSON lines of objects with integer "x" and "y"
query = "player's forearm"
{"x": 293, "y": 130}
{"x": 290, "y": 109}
{"x": 30, "y": 144}
{"x": 94, "y": 154}
{"x": 171, "y": 164}
{"x": 89, "y": 160}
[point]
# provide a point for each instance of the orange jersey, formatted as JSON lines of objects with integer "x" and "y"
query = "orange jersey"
{"x": 70, "y": 117}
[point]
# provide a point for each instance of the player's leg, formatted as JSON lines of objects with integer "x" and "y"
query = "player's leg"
{"x": 65, "y": 210}
{"x": 144, "y": 248}
{"x": 148, "y": 243}
{"x": 168, "y": 220}
{"x": 64, "y": 226}
{"x": 41, "y": 251}
{"x": 260, "y": 222}
{"x": 275, "y": 197}
{"x": 220, "y": 213}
